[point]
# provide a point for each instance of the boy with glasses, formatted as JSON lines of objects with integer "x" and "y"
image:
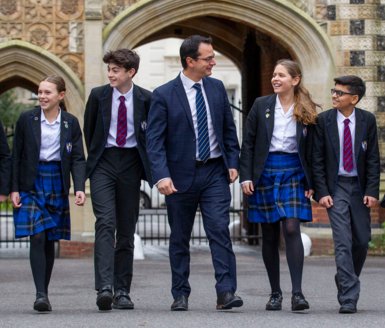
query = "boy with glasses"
{"x": 346, "y": 177}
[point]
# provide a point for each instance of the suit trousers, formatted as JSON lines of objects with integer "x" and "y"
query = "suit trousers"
{"x": 350, "y": 222}
{"x": 210, "y": 190}
{"x": 115, "y": 193}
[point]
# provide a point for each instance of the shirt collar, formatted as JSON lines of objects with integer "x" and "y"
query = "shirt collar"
{"x": 44, "y": 119}
{"x": 187, "y": 82}
{"x": 278, "y": 106}
{"x": 341, "y": 118}
{"x": 116, "y": 94}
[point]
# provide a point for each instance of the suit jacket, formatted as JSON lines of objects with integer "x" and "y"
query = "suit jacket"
{"x": 97, "y": 120}
{"x": 26, "y": 151}
{"x": 5, "y": 163}
{"x": 326, "y": 154}
{"x": 257, "y": 138}
{"x": 171, "y": 139}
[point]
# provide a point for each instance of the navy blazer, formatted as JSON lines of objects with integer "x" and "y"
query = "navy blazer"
{"x": 257, "y": 139}
{"x": 97, "y": 120}
{"x": 326, "y": 153}
{"x": 5, "y": 163}
{"x": 26, "y": 151}
{"x": 171, "y": 140}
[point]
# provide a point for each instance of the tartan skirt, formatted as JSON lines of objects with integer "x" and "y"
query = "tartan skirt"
{"x": 44, "y": 208}
{"x": 280, "y": 191}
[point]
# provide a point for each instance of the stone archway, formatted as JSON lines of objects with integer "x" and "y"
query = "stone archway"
{"x": 297, "y": 32}
{"x": 23, "y": 64}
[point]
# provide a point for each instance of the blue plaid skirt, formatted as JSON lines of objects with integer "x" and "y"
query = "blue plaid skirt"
{"x": 44, "y": 208}
{"x": 280, "y": 191}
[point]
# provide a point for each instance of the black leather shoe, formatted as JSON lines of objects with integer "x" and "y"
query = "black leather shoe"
{"x": 348, "y": 307}
{"x": 180, "y": 303}
{"x": 228, "y": 300}
{"x": 275, "y": 302}
{"x": 122, "y": 300}
{"x": 338, "y": 288}
{"x": 298, "y": 302}
{"x": 104, "y": 298}
{"x": 42, "y": 303}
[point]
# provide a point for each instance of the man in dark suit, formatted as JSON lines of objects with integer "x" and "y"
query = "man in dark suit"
{"x": 115, "y": 121}
{"x": 194, "y": 153}
{"x": 346, "y": 176}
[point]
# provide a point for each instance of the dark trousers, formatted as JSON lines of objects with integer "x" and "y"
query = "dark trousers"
{"x": 350, "y": 222}
{"x": 115, "y": 190}
{"x": 210, "y": 190}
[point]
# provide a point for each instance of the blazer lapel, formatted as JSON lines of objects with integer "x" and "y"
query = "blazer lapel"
{"x": 138, "y": 111}
{"x": 269, "y": 113}
{"x": 210, "y": 93}
{"x": 332, "y": 129}
{"x": 358, "y": 136}
{"x": 179, "y": 89}
{"x": 36, "y": 126}
{"x": 65, "y": 141}
{"x": 106, "y": 106}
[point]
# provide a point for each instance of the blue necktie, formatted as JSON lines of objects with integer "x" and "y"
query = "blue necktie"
{"x": 203, "y": 130}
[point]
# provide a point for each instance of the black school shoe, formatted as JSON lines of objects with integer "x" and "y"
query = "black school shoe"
{"x": 298, "y": 302}
{"x": 42, "y": 303}
{"x": 275, "y": 302}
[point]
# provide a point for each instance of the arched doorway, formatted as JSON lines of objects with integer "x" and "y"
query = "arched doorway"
{"x": 253, "y": 34}
{"x": 24, "y": 65}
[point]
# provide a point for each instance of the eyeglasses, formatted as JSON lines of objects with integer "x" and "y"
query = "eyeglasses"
{"x": 339, "y": 93}
{"x": 207, "y": 59}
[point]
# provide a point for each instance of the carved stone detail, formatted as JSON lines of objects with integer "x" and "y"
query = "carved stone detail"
{"x": 39, "y": 34}
{"x": 356, "y": 12}
{"x": 365, "y": 42}
{"x": 10, "y": 10}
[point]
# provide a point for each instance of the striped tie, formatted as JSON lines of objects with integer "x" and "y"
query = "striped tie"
{"x": 203, "y": 130}
{"x": 121, "y": 128}
{"x": 348, "y": 154}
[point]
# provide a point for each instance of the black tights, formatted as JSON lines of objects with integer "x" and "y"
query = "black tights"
{"x": 42, "y": 257}
{"x": 294, "y": 252}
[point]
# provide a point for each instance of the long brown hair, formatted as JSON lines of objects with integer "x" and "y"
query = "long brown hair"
{"x": 305, "y": 109}
{"x": 60, "y": 86}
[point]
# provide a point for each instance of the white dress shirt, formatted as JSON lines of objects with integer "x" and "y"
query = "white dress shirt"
{"x": 341, "y": 126}
{"x": 130, "y": 138}
{"x": 191, "y": 93}
{"x": 285, "y": 130}
{"x": 50, "y": 139}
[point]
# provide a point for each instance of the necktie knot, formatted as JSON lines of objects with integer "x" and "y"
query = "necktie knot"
{"x": 122, "y": 99}
{"x": 346, "y": 121}
{"x": 197, "y": 87}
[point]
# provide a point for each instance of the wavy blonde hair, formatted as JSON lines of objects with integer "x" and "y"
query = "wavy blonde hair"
{"x": 305, "y": 109}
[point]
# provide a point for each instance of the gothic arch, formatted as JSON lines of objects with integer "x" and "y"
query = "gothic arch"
{"x": 23, "y": 64}
{"x": 279, "y": 19}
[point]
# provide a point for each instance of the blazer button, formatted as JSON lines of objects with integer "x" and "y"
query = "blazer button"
{"x": 194, "y": 139}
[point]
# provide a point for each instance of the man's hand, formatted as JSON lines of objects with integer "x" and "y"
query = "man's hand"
{"x": 80, "y": 198}
{"x": 166, "y": 187}
{"x": 309, "y": 193}
{"x": 233, "y": 173}
{"x": 15, "y": 198}
{"x": 247, "y": 188}
{"x": 370, "y": 201}
{"x": 326, "y": 201}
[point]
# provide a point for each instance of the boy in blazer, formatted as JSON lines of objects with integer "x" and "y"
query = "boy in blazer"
{"x": 346, "y": 176}
{"x": 115, "y": 122}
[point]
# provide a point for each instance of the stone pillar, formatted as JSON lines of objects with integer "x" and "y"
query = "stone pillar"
{"x": 93, "y": 45}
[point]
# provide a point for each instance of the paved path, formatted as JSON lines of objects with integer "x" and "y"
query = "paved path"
{"x": 73, "y": 298}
